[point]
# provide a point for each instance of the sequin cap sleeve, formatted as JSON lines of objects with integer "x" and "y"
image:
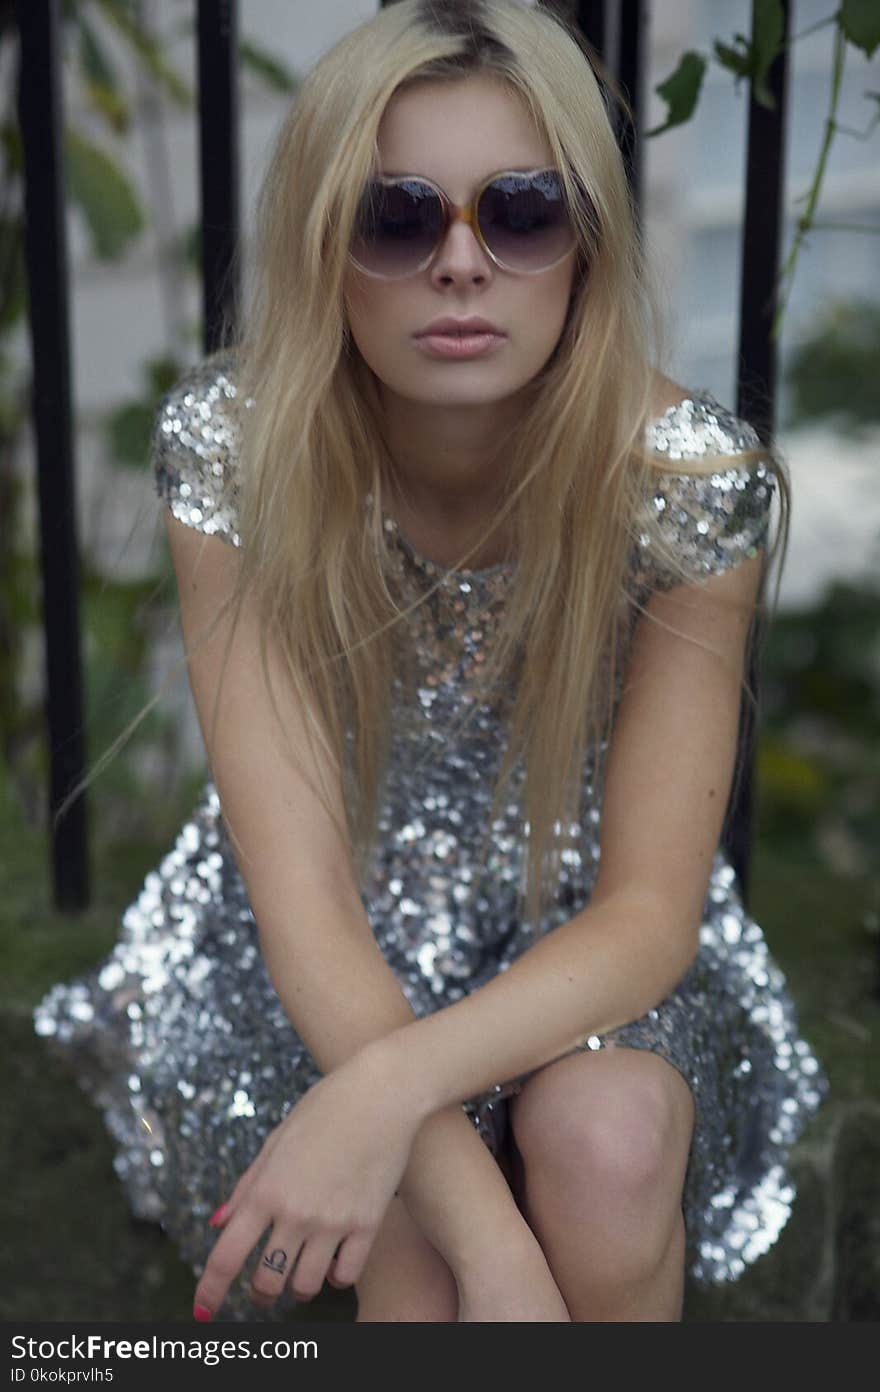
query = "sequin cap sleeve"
{"x": 710, "y": 522}
{"x": 194, "y": 449}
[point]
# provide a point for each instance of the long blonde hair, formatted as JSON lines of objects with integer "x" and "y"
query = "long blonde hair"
{"x": 313, "y": 464}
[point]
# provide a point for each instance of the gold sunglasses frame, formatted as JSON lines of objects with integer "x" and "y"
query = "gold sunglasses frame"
{"x": 467, "y": 212}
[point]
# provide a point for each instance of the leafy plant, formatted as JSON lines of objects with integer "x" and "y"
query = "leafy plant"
{"x": 834, "y": 372}
{"x": 819, "y": 753}
{"x": 117, "y": 616}
{"x": 856, "y": 22}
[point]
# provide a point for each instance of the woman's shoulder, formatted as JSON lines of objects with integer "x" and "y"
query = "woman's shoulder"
{"x": 194, "y": 447}
{"x": 702, "y": 504}
{"x": 688, "y": 423}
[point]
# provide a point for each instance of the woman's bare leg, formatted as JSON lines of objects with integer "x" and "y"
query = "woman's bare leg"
{"x": 405, "y": 1278}
{"x": 655, "y": 1296}
{"x": 603, "y": 1142}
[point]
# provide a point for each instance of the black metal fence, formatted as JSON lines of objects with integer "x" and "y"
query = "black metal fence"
{"x": 40, "y": 116}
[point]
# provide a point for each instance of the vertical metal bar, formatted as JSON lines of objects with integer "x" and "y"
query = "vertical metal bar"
{"x": 625, "y": 64}
{"x": 756, "y": 387}
{"x": 761, "y": 243}
{"x": 590, "y": 16}
{"x": 39, "y": 94}
{"x": 218, "y": 163}
{"x": 630, "y": 67}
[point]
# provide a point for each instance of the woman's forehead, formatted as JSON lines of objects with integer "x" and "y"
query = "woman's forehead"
{"x": 430, "y": 129}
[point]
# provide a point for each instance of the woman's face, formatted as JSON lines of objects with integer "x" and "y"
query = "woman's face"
{"x": 457, "y": 134}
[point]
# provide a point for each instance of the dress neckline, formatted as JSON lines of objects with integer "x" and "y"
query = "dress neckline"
{"x": 435, "y": 568}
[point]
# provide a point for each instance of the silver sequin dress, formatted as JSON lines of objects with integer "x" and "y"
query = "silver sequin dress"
{"x": 180, "y": 1027}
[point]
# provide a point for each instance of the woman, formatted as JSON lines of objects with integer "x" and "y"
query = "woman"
{"x": 463, "y": 1012}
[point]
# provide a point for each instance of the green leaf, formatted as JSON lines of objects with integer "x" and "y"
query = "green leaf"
{"x": 737, "y": 61}
{"x": 99, "y": 79}
{"x": 834, "y": 371}
{"x": 860, "y": 22}
{"x": 108, "y": 104}
{"x": 161, "y": 373}
{"x": 96, "y": 65}
{"x": 10, "y": 141}
{"x": 128, "y": 432}
{"x": 769, "y": 29}
{"x": 128, "y": 427}
{"x": 101, "y": 190}
{"x": 789, "y": 777}
{"x": 681, "y": 90}
{"x": 190, "y": 246}
{"x": 275, "y": 74}
{"x": 13, "y": 293}
{"x": 147, "y": 49}
{"x": 753, "y": 58}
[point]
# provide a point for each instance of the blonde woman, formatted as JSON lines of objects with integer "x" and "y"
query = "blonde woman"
{"x": 446, "y": 991}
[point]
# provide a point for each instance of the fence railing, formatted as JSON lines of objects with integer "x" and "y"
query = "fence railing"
{"x": 41, "y": 120}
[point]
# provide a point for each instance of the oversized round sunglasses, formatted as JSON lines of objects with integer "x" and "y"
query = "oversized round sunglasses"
{"x": 520, "y": 218}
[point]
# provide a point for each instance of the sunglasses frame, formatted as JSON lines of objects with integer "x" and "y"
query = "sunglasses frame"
{"x": 468, "y": 213}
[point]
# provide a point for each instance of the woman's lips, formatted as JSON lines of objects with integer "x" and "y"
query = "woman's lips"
{"x": 459, "y": 345}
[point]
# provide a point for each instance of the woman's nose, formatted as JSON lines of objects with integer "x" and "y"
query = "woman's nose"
{"x": 461, "y": 244}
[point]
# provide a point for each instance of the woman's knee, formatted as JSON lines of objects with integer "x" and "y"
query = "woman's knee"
{"x": 405, "y": 1278}
{"x": 604, "y": 1143}
{"x": 620, "y": 1121}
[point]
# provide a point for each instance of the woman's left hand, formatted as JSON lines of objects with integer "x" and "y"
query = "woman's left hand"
{"x": 323, "y": 1180}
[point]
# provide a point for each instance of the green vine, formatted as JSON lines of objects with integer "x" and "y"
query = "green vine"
{"x": 856, "y": 22}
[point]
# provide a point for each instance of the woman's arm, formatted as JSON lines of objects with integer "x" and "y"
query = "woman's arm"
{"x": 341, "y": 995}
{"x": 668, "y": 778}
{"x": 324, "y": 962}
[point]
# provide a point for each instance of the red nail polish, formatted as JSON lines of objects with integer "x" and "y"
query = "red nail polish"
{"x": 201, "y": 1312}
{"x": 217, "y": 1216}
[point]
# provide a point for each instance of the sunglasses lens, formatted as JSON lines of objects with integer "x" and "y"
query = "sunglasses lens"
{"x": 397, "y": 227}
{"x": 524, "y": 220}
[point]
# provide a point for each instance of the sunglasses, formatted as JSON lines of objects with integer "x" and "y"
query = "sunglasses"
{"x": 520, "y": 219}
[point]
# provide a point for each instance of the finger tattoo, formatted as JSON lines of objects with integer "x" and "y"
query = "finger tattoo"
{"x": 276, "y": 1260}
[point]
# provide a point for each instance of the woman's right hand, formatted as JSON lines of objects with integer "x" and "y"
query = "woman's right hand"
{"x": 510, "y": 1287}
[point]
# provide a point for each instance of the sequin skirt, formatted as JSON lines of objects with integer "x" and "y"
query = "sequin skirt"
{"x": 181, "y": 1042}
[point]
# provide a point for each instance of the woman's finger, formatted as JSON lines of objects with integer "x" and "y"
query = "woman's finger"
{"x": 314, "y": 1257}
{"x": 331, "y": 1278}
{"x": 225, "y": 1261}
{"x": 352, "y": 1256}
{"x": 274, "y": 1269}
